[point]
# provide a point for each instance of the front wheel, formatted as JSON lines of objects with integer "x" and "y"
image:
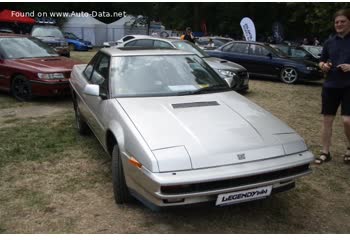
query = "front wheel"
{"x": 21, "y": 88}
{"x": 289, "y": 75}
{"x": 121, "y": 191}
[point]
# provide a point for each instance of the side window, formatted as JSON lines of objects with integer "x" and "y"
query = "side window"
{"x": 227, "y": 47}
{"x": 258, "y": 50}
{"x": 144, "y": 43}
{"x": 88, "y": 70}
{"x": 101, "y": 73}
{"x": 161, "y": 44}
{"x": 240, "y": 48}
{"x": 130, "y": 44}
{"x": 127, "y": 38}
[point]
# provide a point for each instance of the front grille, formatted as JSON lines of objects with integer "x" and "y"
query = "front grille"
{"x": 243, "y": 75}
{"x": 236, "y": 182}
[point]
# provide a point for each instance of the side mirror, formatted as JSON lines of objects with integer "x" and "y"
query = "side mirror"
{"x": 92, "y": 90}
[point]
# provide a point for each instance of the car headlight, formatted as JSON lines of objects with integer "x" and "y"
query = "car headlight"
{"x": 51, "y": 75}
{"x": 311, "y": 68}
{"x": 226, "y": 73}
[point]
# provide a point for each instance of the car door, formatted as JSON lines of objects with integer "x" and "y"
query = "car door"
{"x": 262, "y": 61}
{"x": 95, "y": 105}
{"x": 238, "y": 53}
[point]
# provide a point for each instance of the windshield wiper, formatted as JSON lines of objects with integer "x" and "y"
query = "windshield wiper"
{"x": 211, "y": 89}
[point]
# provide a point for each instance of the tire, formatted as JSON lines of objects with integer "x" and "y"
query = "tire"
{"x": 82, "y": 127}
{"x": 21, "y": 88}
{"x": 289, "y": 75}
{"x": 120, "y": 190}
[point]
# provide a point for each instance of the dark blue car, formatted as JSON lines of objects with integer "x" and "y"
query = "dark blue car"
{"x": 77, "y": 44}
{"x": 260, "y": 59}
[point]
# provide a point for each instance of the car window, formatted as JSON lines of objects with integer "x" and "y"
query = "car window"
{"x": 227, "y": 47}
{"x": 44, "y": 31}
{"x": 162, "y": 75}
{"x": 100, "y": 73}
{"x": 300, "y": 53}
{"x": 140, "y": 43}
{"x": 258, "y": 50}
{"x": 88, "y": 70}
{"x": 23, "y": 47}
{"x": 162, "y": 44}
{"x": 240, "y": 48}
{"x": 127, "y": 38}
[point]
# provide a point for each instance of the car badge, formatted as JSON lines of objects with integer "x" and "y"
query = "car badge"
{"x": 241, "y": 156}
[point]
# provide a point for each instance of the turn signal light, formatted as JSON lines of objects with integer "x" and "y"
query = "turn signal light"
{"x": 134, "y": 162}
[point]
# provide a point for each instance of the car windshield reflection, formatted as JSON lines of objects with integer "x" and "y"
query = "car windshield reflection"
{"x": 136, "y": 76}
{"x": 17, "y": 48}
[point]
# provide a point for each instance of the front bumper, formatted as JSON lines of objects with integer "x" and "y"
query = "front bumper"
{"x": 207, "y": 184}
{"x": 50, "y": 88}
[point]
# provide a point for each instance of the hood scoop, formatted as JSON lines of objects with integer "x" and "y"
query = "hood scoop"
{"x": 195, "y": 104}
{"x": 223, "y": 61}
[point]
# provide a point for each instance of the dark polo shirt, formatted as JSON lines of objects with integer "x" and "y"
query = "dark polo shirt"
{"x": 337, "y": 51}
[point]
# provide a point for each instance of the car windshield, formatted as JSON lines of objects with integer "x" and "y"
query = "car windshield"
{"x": 71, "y": 36}
{"x": 22, "y": 47}
{"x": 314, "y": 50}
{"x": 190, "y": 47}
{"x": 47, "y": 32}
{"x": 163, "y": 75}
{"x": 277, "y": 51}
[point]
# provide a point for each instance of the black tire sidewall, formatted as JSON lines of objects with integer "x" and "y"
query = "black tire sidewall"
{"x": 13, "y": 84}
{"x": 120, "y": 190}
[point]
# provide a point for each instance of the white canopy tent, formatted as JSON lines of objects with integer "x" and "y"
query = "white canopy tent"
{"x": 87, "y": 28}
{"x": 124, "y": 26}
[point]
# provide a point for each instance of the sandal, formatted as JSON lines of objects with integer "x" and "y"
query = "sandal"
{"x": 325, "y": 157}
{"x": 347, "y": 156}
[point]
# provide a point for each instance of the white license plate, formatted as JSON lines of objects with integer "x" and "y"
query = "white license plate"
{"x": 243, "y": 196}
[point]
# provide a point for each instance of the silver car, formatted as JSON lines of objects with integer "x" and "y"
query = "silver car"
{"x": 177, "y": 133}
{"x": 236, "y": 75}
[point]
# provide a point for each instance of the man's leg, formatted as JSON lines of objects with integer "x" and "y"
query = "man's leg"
{"x": 327, "y": 125}
{"x": 346, "y": 121}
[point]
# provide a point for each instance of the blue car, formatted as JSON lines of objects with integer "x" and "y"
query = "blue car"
{"x": 261, "y": 59}
{"x": 77, "y": 44}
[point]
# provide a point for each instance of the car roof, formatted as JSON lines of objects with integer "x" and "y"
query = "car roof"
{"x": 169, "y": 40}
{"x": 115, "y": 52}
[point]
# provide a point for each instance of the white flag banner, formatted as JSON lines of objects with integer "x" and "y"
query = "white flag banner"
{"x": 248, "y": 29}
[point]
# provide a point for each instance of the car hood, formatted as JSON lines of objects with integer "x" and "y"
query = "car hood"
{"x": 213, "y": 129}
{"x": 49, "y": 64}
{"x": 218, "y": 63}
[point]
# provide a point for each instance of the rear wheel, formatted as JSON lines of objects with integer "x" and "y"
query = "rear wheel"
{"x": 289, "y": 75}
{"x": 21, "y": 88}
{"x": 121, "y": 192}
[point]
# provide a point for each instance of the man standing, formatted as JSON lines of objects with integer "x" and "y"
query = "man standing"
{"x": 335, "y": 61}
{"x": 188, "y": 35}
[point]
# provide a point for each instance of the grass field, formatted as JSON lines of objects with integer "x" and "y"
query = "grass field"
{"x": 54, "y": 181}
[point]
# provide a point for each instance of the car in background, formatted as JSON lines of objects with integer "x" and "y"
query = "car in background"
{"x": 203, "y": 42}
{"x": 178, "y": 135}
{"x": 75, "y": 43}
{"x": 316, "y": 51}
{"x": 52, "y": 36}
{"x": 28, "y": 67}
{"x": 295, "y": 52}
{"x": 236, "y": 75}
{"x": 260, "y": 59}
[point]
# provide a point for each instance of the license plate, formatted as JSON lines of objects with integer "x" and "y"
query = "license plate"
{"x": 243, "y": 196}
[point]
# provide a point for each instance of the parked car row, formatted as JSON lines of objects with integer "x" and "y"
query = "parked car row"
{"x": 262, "y": 59}
{"x": 176, "y": 132}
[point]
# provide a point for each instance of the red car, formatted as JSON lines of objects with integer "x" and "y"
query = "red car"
{"x": 29, "y": 67}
